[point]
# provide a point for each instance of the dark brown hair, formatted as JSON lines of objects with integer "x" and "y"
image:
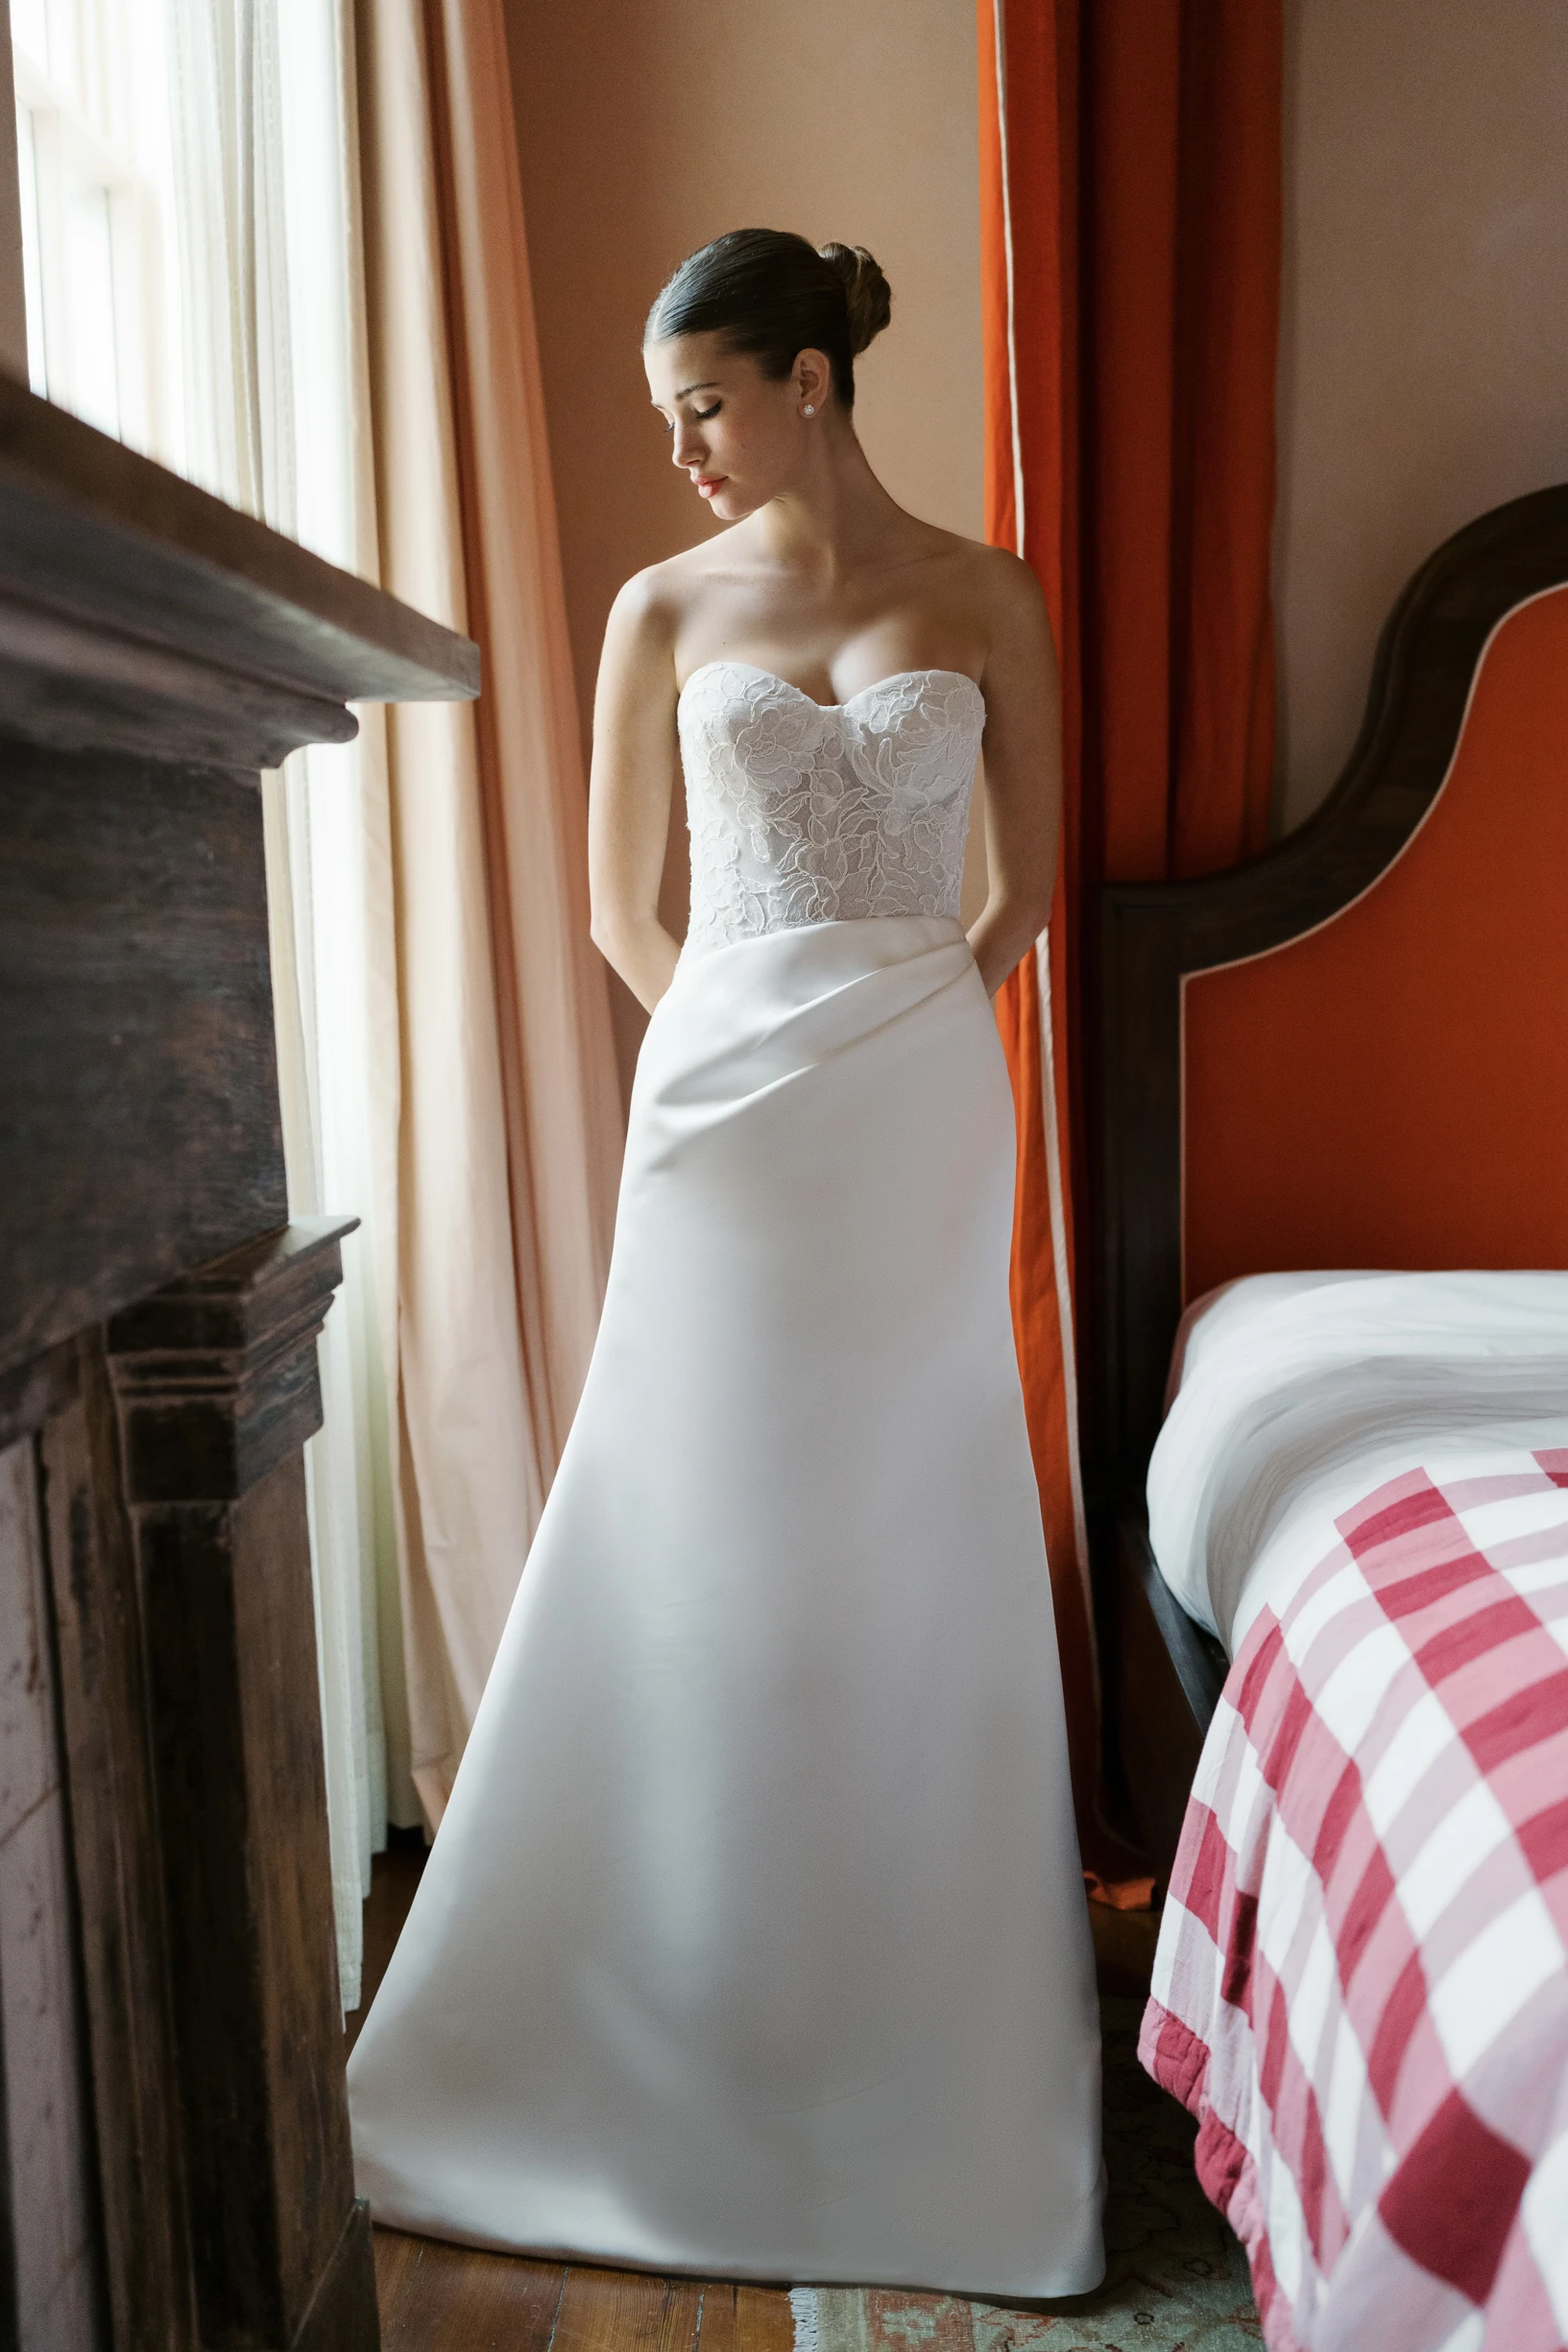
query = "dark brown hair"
{"x": 773, "y": 296}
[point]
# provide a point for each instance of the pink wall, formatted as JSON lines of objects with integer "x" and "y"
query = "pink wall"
{"x": 1424, "y": 362}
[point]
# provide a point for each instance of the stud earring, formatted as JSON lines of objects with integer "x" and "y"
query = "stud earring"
{"x": 808, "y": 410}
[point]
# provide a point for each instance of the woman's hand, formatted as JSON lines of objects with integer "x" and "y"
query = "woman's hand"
{"x": 1023, "y": 758}
{"x": 637, "y": 763}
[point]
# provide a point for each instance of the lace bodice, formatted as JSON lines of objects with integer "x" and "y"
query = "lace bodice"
{"x": 802, "y": 811}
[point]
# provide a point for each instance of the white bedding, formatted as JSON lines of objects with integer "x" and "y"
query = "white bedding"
{"x": 1294, "y": 1395}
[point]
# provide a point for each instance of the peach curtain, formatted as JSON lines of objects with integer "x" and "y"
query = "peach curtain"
{"x": 500, "y": 1116}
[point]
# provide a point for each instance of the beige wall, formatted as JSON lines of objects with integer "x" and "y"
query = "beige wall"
{"x": 647, "y": 127}
{"x": 1424, "y": 361}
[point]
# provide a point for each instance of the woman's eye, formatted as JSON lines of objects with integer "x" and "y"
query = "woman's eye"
{"x": 701, "y": 415}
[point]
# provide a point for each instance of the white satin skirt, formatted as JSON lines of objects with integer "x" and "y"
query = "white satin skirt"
{"x": 753, "y": 1942}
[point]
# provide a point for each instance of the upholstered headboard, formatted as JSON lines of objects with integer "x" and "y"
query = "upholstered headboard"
{"x": 1354, "y": 1049}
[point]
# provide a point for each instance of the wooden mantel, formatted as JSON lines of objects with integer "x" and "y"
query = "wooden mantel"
{"x": 174, "y": 2168}
{"x": 175, "y": 601}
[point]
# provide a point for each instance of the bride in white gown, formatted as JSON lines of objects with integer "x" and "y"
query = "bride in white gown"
{"x": 753, "y": 1942}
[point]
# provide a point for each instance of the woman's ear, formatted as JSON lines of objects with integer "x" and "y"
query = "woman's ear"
{"x": 813, "y": 381}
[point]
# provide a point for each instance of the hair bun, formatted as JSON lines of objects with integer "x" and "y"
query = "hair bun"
{"x": 866, "y": 291}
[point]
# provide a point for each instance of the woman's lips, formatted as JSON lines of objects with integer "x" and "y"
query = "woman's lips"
{"x": 707, "y": 483}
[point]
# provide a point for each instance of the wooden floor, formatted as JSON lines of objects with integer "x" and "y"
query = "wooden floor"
{"x": 449, "y": 2298}
{"x": 393, "y": 1876}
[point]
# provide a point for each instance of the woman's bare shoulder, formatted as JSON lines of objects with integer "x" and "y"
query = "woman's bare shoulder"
{"x": 650, "y": 607}
{"x": 989, "y": 594}
{"x": 1000, "y": 580}
{"x": 989, "y": 580}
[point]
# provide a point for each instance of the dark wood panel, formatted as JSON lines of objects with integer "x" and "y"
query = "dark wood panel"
{"x": 342, "y": 2315}
{"x": 198, "y": 1424}
{"x": 287, "y": 1853}
{"x": 10, "y": 2340}
{"x": 224, "y": 1567}
{"x": 53, "y": 2290}
{"x": 1171, "y": 1675}
{"x": 137, "y": 1068}
{"x": 30, "y": 1393}
{"x": 196, "y": 1686}
{"x": 117, "y": 1870}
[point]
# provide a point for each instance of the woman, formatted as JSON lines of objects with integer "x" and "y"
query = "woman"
{"x": 753, "y": 1942}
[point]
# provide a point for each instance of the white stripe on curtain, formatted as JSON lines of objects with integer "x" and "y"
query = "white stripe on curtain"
{"x": 1042, "y": 945}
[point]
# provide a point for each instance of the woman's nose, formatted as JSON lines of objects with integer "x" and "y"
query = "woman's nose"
{"x": 687, "y": 448}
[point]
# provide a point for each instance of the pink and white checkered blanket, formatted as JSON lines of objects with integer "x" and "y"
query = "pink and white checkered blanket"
{"x": 1362, "y": 1987}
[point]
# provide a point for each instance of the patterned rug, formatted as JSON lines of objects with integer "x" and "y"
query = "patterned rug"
{"x": 1176, "y": 2279}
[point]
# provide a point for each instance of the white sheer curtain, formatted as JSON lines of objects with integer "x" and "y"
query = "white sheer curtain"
{"x": 268, "y": 308}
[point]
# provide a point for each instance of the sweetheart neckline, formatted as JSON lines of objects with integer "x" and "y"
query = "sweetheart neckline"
{"x": 892, "y": 679}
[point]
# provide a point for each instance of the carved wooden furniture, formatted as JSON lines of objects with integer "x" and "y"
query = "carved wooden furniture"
{"x": 175, "y": 2169}
{"x": 1182, "y": 1006}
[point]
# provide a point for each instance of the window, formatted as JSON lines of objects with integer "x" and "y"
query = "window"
{"x": 94, "y": 155}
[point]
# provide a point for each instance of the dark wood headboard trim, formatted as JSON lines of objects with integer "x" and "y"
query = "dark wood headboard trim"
{"x": 1149, "y": 936}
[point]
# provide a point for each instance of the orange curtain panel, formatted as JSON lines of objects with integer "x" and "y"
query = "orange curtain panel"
{"x": 1130, "y": 256}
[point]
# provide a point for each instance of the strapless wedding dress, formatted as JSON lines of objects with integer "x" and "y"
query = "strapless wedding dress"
{"x": 753, "y": 1942}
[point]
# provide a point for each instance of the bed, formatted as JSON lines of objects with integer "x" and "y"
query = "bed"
{"x": 1327, "y": 1437}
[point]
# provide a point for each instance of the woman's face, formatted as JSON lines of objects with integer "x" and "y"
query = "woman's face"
{"x": 742, "y": 439}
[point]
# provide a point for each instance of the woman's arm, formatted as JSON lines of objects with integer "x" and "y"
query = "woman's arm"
{"x": 636, "y": 761}
{"x": 1023, "y": 758}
